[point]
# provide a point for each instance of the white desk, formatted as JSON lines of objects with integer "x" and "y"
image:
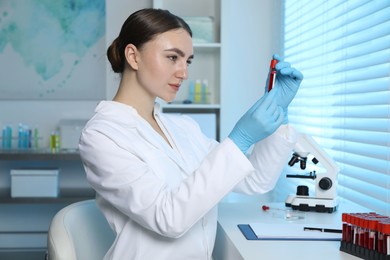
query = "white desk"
{"x": 232, "y": 245}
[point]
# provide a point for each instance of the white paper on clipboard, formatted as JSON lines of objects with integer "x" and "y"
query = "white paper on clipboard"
{"x": 280, "y": 231}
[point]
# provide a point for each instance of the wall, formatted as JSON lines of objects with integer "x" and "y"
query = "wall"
{"x": 117, "y": 13}
{"x": 250, "y": 36}
{"x": 46, "y": 114}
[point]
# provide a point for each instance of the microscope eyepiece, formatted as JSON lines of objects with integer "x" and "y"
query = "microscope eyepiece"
{"x": 303, "y": 164}
{"x": 293, "y": 160}
{"x": 297, "y": 158}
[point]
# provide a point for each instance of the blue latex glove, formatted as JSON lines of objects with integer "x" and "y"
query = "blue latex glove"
{"x": 260, "y": 121}
{"x": 286, "y": 86}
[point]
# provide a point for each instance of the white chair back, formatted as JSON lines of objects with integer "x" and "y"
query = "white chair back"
{"x": 79, "y": 232}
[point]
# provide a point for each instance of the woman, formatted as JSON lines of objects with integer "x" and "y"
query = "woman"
{"x": 158, "y": 179}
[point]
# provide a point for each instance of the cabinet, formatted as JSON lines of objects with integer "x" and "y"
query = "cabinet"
{"x": 206, "y": 65}
{"x": 25, "y": 221}
{"x": 72, "y": 184}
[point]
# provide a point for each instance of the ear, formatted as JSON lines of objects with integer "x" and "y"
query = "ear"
{"x": 131, "y": 54}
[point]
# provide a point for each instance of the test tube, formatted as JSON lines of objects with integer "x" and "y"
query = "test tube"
{"x": 373, "y": 231}
{"x": 360, "y": 230}
{"x": 346, "y": 233}
{"x": 354, "y": 237}
{"x": 272, "y": 74}
{"x": 386, "y": 237}
{"x": 380, "y": 238}
{"x": 365, "y": 232}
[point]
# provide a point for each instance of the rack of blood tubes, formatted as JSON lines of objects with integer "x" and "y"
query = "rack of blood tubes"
{"x": 366, "y": 235}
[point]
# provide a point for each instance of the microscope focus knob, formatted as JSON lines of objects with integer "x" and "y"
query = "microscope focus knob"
{"x": 325, "y": 183}
{"x": 302, "y": 190}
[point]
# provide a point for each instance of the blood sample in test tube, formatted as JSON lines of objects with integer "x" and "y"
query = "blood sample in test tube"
{"x": 272, "y": 74}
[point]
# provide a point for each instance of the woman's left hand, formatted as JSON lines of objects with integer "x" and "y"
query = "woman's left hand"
{"x": 288, "y": 80}
{"x": 287, "y": 83}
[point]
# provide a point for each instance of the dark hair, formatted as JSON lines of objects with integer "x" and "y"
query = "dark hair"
{"x": 139, "y": 28}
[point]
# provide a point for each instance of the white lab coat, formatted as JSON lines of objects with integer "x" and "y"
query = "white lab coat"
{"x": 161, "y": 201}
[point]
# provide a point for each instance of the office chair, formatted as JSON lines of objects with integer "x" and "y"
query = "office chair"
{"x": 79, "y": 232}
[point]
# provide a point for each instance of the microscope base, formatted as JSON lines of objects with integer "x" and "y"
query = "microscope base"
{"x": 305, "y": 203}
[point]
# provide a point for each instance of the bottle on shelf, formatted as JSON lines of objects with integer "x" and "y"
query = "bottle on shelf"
{"x": 205, "y": 92}
{"x": 7, "y": 137}
{"x": 198, "y": 92}
{"x": 55, "y": 141}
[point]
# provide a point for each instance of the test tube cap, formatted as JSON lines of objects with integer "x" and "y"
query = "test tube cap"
{"x": 273, "y": 63}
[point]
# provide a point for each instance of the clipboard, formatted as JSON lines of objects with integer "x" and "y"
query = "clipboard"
{"x": 284, "y": 232}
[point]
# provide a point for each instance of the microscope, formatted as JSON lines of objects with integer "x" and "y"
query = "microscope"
{"x": 325, "y": 197}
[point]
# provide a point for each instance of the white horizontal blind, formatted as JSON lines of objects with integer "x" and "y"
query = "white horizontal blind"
{"x": 343, "y": 49}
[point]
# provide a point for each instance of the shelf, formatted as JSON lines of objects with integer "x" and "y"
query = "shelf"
{"x": 66, "y": 196}
{"x": 191, "y": 106}
{"x": 212, "y": 45}
{"x": 67, "y": 200}
{"x": 39, "y": 155}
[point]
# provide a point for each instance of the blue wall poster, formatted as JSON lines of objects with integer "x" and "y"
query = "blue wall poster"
{"x": 52, "y": 50}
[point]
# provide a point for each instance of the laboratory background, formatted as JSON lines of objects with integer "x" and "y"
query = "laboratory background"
{"x": 54, "y": 71}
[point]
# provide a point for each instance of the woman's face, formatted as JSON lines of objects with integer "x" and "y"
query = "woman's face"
{"x": 163, "y": 63}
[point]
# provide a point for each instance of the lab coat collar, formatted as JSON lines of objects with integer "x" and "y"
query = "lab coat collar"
{"x": 180, "y": 139}
{"x": 176, "y": 153}
{"x": 118, "y": 112}
{"x": 128, "y": 117}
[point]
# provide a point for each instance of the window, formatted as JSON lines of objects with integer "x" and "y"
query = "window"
{"x": 343, "y": 50}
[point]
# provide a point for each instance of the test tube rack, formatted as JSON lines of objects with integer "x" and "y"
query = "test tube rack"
{"x": 366, "y": 235}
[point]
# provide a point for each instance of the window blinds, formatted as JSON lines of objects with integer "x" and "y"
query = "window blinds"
{"x": 343, "y": 50}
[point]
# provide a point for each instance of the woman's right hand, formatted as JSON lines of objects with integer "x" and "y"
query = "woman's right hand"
{"x": 260, "y": 121}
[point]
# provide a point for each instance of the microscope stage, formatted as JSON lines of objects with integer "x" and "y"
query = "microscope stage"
{"x": 306, "y": 203}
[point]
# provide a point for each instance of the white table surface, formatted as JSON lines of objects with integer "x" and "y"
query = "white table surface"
{"x": 232, "y": 245}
